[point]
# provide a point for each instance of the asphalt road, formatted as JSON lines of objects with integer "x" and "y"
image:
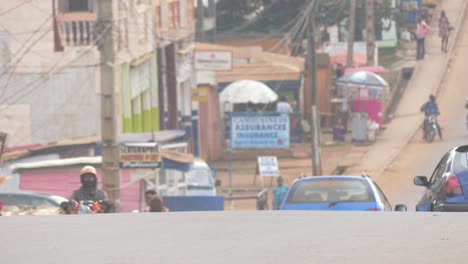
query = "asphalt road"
{"x": 419, "y": 157}
{"x": 236, "y": 237}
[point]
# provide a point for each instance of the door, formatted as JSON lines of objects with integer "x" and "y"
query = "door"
{"x": 435, "y": 184}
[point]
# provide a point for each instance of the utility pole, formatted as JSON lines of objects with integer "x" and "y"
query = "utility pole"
{"x": 312, "y": 68}
{"x": 370, "y": 36}
{"x": 110, "y": 152}
{"x": 212, "y": 15}
{"x": 351, "y": 28}
{"x": 200, "y": 19}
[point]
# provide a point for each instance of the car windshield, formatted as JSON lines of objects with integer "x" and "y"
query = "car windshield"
{"x": 330, "y": 191}
{"x": 199, "y": 178}
{"x": 26, "y": 200}
{"x": 57, "y": 199}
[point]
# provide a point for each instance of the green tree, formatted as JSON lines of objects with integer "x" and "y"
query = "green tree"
{"x": 276, "y": 15}
{"x": 231, "y": 14}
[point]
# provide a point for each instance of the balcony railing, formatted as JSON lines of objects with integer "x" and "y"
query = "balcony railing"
{"x": 77, "y": 29}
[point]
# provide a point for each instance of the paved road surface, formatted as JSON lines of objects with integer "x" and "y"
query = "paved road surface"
{"x": 236, "y": 237}
{"x": 420, "y": 158}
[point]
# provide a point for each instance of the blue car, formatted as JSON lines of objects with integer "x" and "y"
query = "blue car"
{"x": 447, "y": 189}
{"x": 339, "y": 193}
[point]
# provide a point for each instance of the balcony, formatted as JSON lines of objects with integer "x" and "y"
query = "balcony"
{"x": 77, "y": 28}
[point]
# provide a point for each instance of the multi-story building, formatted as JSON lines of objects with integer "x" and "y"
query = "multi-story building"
{"x": 175, "y": 29}
{"x": 49, "y": 86}
{"x": 44, "y": 95}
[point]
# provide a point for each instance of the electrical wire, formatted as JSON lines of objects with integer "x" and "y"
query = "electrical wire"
{"x": 66, "y": 102}
{"x": 298, "y": 27}
{"x": 49, "y": 73}
{"x": 5, "y": 87}
{"x": 15, "y": 7}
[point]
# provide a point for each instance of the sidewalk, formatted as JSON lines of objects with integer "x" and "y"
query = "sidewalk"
{"x": 427, "y": 78}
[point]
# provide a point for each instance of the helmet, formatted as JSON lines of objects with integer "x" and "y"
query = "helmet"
{"x": 88, "y": 170}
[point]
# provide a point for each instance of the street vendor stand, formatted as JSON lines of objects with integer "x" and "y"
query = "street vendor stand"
{"x": 364, "y": 91}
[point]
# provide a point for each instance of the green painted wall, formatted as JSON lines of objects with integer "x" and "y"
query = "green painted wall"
{"x": 135, "y": 118}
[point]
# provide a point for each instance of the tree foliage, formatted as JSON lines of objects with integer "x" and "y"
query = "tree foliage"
{"x": 276, "y": 15}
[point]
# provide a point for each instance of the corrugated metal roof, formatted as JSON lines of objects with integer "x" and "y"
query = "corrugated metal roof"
{"x": 56, "y": 163}
{"x": 58, "y": 144}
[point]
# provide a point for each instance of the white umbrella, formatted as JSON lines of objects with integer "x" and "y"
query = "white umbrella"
{"x": 363, "y": 78}
{"x": 248, "y": 91}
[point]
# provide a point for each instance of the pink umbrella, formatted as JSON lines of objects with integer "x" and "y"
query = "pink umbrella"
{"x": 373, "y": 69}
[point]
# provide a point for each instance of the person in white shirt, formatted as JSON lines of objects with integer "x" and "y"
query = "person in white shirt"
{"x": 283, "y": 106}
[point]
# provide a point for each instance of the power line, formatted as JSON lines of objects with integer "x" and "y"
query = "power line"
{"x": 65, "y": 102}
{"x": 47, "y": 76}
{"x": 29, "y": 39}
{"x": 15, "y": 7}
{"x": 5, "y": 87}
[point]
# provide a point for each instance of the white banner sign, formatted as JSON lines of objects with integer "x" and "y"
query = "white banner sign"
{"x": 268, "y": 166}
{"x": 213, "y": 60}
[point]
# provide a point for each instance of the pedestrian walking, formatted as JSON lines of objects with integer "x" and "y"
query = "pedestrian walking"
{"x": 279, "y": 193}
{"x": 444, "y": 30}
{"x": 421, "y": 31}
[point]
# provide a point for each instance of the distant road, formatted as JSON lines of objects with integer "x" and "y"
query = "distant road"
{"x": 419, "y": 157}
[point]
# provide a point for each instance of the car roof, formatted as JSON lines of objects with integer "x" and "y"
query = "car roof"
{"x": 334, "y": 177}
{"x": 54, "y": 197}
{"x": 199, "y": 163}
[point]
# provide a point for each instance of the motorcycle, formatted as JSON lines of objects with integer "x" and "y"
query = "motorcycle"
{"x": 86, "y": 207}
{"x": 430, "y": 128}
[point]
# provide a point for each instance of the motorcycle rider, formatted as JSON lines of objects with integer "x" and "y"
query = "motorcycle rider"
{"x": 430, "y": 108}
{"x": 88, "y": 190}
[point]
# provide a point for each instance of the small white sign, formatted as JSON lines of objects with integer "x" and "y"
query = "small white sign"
{"x": 268, "y": 166}
{"x": 213, "y": 60}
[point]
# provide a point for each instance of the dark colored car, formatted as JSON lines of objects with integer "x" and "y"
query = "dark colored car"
{"x": 447, "y": 189}
{"x": 30, "y": 199}
{"x": 337, "y": 193}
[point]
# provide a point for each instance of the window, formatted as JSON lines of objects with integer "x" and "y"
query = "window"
{"x": 200, "y": 178}
{"x": 327, "y": 191}
{"x": 24, "y": 200}
{"x": 70, "y": 6}
{"x": 78, "y": 6}
{"x": 460, "y": 162}
{"x": 157, "y": 19}
{"x": 190, "y": 12}
{"x": 440, "y": 170}
{"x": 174, "y": 15}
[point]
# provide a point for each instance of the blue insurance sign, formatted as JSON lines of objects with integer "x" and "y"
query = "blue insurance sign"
{"x": 259, "y": 131}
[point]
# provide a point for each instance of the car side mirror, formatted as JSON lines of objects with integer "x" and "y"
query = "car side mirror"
{"x": 217, "y": 183}
{"x": 401, "y": 208}
{"x": 421, "y": 181}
